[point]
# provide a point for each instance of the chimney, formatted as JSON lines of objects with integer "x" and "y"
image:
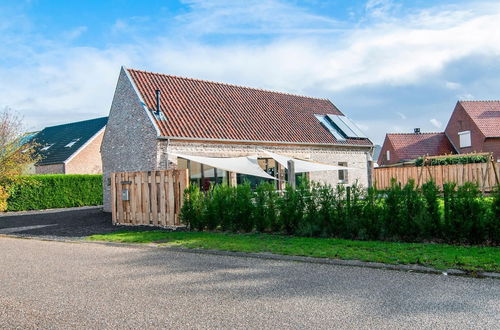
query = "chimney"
{"x": 416, "y": 130}
{"x": 158, "y": 94}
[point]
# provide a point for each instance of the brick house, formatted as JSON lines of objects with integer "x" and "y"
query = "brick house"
{"x": 154, "y": 116}
{"x": 474, "y": 126}
{"x": 405, "y": 147}
{"x": 72, "y": 148}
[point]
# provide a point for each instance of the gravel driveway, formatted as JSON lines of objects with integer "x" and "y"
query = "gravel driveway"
{"x": 85, "y": 285}
{"x": 72, "y": 223}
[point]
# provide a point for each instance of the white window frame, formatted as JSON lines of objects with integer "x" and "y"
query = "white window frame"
{"x": 388, "y": 155}
{"x": 345, "y": 173}
{"x": 463, "y": 141}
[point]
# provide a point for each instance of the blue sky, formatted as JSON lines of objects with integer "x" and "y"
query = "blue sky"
{"x": 390, "y": 65}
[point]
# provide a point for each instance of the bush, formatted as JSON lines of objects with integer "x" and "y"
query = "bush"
{"x": 38, "y": 192}
{"x": 402, "y": 213}
{"x": 3, "y": 199}
{"x": 452, "y": 160}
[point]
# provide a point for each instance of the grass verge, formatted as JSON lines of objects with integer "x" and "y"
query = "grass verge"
{"x": 440, "y": 256}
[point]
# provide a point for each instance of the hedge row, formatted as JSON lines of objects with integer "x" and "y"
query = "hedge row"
{"x": 36, "y": 192}
{"x": 399, "y": 213}
{"x": 452, "y": 160}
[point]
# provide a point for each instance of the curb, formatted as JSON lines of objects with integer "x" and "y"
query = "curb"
{"x": 279, "y": 257}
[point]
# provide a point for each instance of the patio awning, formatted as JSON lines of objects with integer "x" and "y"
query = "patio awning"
{"x": 243, "y": 165}
{"x": 303, "y": 166}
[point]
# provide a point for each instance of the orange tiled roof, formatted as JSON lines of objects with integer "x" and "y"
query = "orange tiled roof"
{"x": 410, "y": 146}
{"x": 486, "y": 116}
{"x": 210, "y": 110}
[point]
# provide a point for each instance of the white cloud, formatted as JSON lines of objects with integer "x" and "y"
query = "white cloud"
{"x": 306, "y": 54}
{"x": 436, "y": 123}
{"x": 452, "y": 85}
{"x": 401, "y": 115}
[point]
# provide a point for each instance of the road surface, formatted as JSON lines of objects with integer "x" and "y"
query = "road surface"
{"x": 46, "y": 284}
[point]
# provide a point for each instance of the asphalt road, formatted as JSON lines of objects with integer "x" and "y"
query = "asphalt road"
{"x": 47, "y": 284}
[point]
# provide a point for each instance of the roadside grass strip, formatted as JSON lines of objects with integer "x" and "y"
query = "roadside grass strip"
{"x": 439, "y": 256}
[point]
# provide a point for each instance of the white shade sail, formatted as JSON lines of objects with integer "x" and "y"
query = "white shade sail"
{"x": 302, "y": 166}
{"x": 243, "y": 165}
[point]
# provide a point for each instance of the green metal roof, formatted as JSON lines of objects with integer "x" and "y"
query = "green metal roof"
{"x": 57, "y": 143}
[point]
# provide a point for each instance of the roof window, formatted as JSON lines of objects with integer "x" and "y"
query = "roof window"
{"x": 47, "y": 147}
{"x": 72, "y": 143}
{"x": 330, "y": 127}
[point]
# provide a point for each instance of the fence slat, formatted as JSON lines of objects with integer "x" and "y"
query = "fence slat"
{"x": 155, "y": 198}
{"x": 481, "y": 173}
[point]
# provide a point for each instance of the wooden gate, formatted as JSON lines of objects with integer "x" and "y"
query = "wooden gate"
{"x": 148, "y": 198}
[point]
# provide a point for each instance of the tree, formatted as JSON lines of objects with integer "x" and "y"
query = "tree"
{"x": 15, "y": 154}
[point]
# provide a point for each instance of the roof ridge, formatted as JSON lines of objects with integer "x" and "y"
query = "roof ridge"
{"x": 76, "y": 122}
{"x": 415, "y": 133}
{"x": 478, "y": 101}
{"x": 228, "y": 84}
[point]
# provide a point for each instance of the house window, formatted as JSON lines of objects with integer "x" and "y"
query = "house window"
{"x": 343, "y": 173}
{"x": 388, "y": 155}
{"x": 465, "y": 140}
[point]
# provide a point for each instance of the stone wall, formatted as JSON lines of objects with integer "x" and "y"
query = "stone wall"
{"x": 355, "y": 157}
{"x": 88, "y": 160}
{"x": 129, "y": 142}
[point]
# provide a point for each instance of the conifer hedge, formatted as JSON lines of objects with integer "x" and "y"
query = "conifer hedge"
{"x": 400, "y": 213}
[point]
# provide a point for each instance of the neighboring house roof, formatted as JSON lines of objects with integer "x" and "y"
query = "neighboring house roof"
{"x": 486, "y": 116}
{"x": 216, "y": 111}
{"x": 409, "y": 146}
{"x": 58, "y": 143}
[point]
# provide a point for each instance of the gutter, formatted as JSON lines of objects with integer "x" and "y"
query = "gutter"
{"x": 263, "y": 142}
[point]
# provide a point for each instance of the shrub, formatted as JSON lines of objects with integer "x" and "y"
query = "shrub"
{"x": 192, "y": 208}
{"x": 430, "y": 226}
{"x": 243, "y": 207}
{"x": 266, "y": 213}
{"x": 466, "y": 159}
{"x": 54, "y": 191}
{"x": 405, "y": 213}
{"x": 3, "y": 199}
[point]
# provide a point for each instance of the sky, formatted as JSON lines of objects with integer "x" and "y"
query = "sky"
{"x": 389, "y": 65}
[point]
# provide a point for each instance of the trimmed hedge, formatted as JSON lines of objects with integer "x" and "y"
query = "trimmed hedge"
{"x": 400, "y": 213}
{"x": 37, "y": 192}
{"x": 452, "y": 160}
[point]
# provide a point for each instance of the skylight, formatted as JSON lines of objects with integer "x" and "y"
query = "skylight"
{"x": 47, "y": 147}
{"x": 72, "y": 143}
{"x": 330, "y": 127}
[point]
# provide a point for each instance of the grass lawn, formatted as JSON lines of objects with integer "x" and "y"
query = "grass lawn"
{"x": 440, "y": 256}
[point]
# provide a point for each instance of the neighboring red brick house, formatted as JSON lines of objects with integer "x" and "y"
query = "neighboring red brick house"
{"x": 404, "y": 147}
{"x": 474, "y": 126}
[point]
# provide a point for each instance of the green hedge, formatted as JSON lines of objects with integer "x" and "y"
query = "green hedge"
{"x": 411, "y": 214}
{"x": 37, "y": 192}
{"x": 452, "y": 160}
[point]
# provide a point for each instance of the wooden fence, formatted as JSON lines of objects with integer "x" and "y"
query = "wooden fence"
{"x": 481, "y": 173}
{"x": 148, "y": 198}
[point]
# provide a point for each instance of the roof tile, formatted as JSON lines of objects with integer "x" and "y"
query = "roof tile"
{"x": 210, "y": 110}
{"x": 409, "y": 146}
{"x": 486, "y": 116}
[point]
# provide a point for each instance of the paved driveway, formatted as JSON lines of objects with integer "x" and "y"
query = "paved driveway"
{"x": 64, "y": 223}
{"x": 83, "y": 285}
